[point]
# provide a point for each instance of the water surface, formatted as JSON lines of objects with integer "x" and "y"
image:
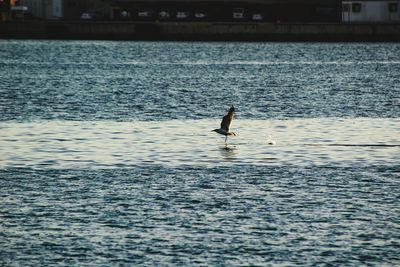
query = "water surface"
{"x": 126, "y": 81}
{"x": 300, "y": 142}
{"x": 107, "y": 156}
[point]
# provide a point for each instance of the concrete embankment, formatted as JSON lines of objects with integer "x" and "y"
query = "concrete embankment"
{"x": 197, "y": 31}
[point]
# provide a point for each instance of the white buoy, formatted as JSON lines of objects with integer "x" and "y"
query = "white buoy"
{"x": 270, "y": 141}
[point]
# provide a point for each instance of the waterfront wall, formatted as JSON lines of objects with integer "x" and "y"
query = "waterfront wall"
{"x": 198, "y": 31}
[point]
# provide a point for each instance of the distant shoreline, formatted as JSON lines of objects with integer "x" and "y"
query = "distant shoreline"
{"x": 201, "y": 31}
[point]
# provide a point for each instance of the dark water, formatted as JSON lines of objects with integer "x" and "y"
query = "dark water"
{"x": 239, "y": 215}
{"x": 107, "y": 156}
{"x": 127, "y": 81}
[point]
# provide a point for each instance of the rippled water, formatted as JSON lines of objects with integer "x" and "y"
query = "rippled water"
{"x": 238, "y": 215}
{"x": 127, "y": 81}
{"x": 107, "y": 155}
{"x": 300, "y": 142}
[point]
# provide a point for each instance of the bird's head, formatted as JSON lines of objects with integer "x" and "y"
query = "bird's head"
{"x": 232, "y": 109}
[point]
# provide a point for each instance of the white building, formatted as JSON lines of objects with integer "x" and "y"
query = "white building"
{"x": 371, "y": 11}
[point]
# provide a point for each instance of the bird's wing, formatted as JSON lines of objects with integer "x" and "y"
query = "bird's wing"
{"x": 226, "y": 121}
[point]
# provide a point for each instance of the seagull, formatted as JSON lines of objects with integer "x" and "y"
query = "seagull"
{"x": 225, "y": 123}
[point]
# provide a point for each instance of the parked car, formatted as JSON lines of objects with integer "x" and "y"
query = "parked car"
{"x": 125, "y": 14}
{"x": 257, "y": 17}
{"x": 145, "y": 14}
{"x": 238, "y": 13}
{"x": 86, "y": 16}
{"x": 93, "y": 15}
{"x": 164, "y": 14}
{"x": 199, "y": 15}
{"x": 182, "y": 15}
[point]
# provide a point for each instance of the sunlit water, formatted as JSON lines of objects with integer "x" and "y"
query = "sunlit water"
{"x": 107, "y": 155}
{"x": 300, "y": 142}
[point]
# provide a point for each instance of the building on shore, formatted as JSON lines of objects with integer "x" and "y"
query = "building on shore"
{"x": 5, "y": 10}
{"x": 371, "y": 11}
{"x": 42, "y": 9}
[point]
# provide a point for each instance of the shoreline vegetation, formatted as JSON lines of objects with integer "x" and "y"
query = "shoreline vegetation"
{"x": 201, "y": 31}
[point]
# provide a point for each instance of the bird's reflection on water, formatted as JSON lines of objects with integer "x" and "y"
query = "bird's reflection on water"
{"x": 228, "y": 152}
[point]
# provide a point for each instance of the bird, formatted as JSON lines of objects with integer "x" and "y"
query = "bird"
{"x": 226, "y": 123}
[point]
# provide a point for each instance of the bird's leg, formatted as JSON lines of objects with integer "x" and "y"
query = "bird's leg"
{"x": 226, "y": 137}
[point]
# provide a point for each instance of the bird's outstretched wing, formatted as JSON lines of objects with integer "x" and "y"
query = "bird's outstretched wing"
{"x": 227, "y": 119}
